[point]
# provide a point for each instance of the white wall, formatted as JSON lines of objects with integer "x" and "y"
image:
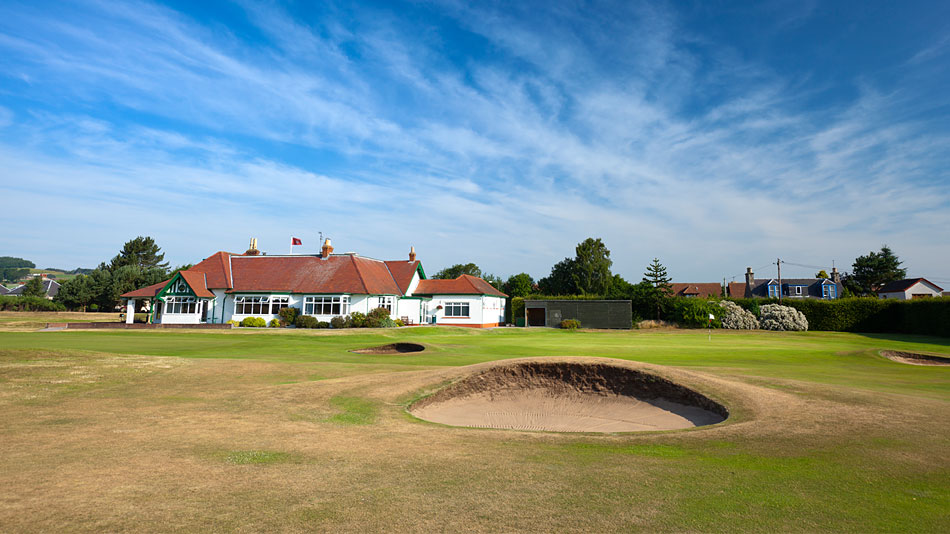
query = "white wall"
{"x": 482, "y": 309}
{"x": 920, "y": 288}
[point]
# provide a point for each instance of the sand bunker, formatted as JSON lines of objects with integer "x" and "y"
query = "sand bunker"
{"x": 394, "y": 348}
{"x": 914, "y": 358}
{"x": 569, "y": 397}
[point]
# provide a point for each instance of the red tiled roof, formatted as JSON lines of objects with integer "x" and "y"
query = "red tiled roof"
{"x": 737, "y": 290}
{"x": 343, "y": 273}
{"x": 463, "y": 285}
{"x": 402, "y": 272}
{"x": 217, "y": 268}
{"x": 701, "y": 289}
{"x": 197, "y": 283}
{"x": 904, "y": 285}
{"x": 149, "y": 291}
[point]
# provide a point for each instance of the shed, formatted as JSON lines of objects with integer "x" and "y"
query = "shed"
{"x": 591, "y": 313}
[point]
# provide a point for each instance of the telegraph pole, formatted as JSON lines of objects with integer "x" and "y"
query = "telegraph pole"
{"x": 778, "y": 261}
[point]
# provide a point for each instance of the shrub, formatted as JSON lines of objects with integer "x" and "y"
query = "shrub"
{"x": 232, "y": 322}
{"x": 355, "y": 320}
{"x": 338, "y": 322}
{"x": 377, "y": 318}
{"x": 322, "y": 324}
{"x": 306, "y": 321}
{"x": 399, "y": 322}
{"x": 288, "y": 315}
{"x": 29, "y": 304}
{"x": 274, "y": 323}
{"x": 776, "y": 317}
{"x": 694, "y": 312}
{"x": 570, "y": 324}
{"x": 736, "y": 318}
{"x": 254, "y": 322}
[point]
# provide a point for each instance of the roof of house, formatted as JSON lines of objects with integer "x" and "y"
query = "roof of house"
{"x": 50, "y": 287}
{"x": 3, "y": 289}
{"x": 149, "y": 291}
{"x": 700, "y": 289}
{"x": 402, "y": 272}
{"x": 197, "y": 282}
{"x": 217, "y": 268}
{"x": 338, "y": 273}
{"x": 737, "y": 290}
{"x": 813, "y": 286}
{"x": 463, "y": 285}
{"x": 904, "y": 285}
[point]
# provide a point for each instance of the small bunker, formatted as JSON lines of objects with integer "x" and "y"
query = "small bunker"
{"x": 914, "y": 358}
{"x": 392, "y": 348}
{"x": 569, "y": 397}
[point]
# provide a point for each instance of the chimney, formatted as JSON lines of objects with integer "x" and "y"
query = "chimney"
{"x": 412, "y": 254}
{"x": 252, "y": 248}
{"x": 835, "y": 275}
{"x": 326, "y": 250}
{"x": 749, "y": 278}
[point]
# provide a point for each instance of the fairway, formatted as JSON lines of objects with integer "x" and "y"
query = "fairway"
{"x": 289, "y": 430}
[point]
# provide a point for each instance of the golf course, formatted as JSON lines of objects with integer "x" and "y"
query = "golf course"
{"x": 289, "y": 430}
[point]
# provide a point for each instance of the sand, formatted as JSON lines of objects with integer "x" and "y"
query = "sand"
{"x": 393, "y": 348}
{"x": 568, "y": 397}
{"x": 914, "y": 358}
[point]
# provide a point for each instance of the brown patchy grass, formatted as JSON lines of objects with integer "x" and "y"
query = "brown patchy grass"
{"x": 97, "y": 442}
{"x": 24, "y": 321}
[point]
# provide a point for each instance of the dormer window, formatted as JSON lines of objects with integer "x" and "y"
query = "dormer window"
{"x": 774, "y": 290}
{"x": 798, "y": 290}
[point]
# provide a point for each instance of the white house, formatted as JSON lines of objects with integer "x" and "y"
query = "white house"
{"x": 230, "y": 286}
{"x": 911, "y": 288}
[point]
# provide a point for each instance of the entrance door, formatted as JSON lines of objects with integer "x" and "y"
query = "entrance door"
{"x": 536, "y": 317}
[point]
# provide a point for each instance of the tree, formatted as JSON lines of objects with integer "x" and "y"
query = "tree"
{"x": 495, "y": 281}
{"x": 620, "y": 289}
{"x": 13, "y": 269}
{"x": 75, "y": 293}
{"x": 34, "y": 288}
{"x": 871, "y": 272}
{"x": 450, "y": 273}
{"x": 519, "y": 285}
{"x": 662, "y": 290}
{"x": 141, "y": 252}
{"x": 561, "y": 279}
{"x": 592, "y": 267}
{"x": 822, "y": 274}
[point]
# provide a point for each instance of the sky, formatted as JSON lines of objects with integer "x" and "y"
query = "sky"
{"x": 712, "y": 135}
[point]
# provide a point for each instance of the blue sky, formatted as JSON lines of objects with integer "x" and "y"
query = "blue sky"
{"x": 712, "y": 135}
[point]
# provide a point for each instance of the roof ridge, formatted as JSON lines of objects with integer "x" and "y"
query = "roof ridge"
{"x": 360, "y": 273}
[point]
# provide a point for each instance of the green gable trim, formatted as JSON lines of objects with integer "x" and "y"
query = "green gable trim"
{"x": 176, "y": 282}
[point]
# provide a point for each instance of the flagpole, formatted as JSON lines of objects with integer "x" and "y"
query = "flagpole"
{"x": 291, "y": 246}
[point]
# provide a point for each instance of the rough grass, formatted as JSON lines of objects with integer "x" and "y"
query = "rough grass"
{"x": 193, "y": 431}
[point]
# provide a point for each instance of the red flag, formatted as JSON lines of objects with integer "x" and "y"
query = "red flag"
{"x": 295, "y": 241}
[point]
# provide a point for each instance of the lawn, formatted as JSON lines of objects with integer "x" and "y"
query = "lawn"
{"x": 263, "y": 430}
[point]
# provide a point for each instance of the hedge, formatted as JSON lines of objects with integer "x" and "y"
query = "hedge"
{"x": 29, "y": 304}
{"x": 871, "y": 315}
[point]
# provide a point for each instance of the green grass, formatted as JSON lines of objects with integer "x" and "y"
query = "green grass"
{"x": 96, "y": 423}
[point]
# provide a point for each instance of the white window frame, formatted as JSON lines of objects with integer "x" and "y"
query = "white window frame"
{"x": 829, "y": 291}
{"x": 181, "y": 306}
{"x": 798, "y": 290}
{"x": 261, "y": 303}
{"x": 321, "y": 303}
{"x": 387, "y": 303}
{"x": 456, "y": 309}
{"x": 774, "y": 290}
{"x": 278, "y": 302}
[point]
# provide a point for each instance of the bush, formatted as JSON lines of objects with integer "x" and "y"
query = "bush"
{"x": 274, "y": 323}
{"x": 322, "y": 324}
{"x": 29, "y": 304}
{"x": 254, "y": 322}
{"x": 355, "y": 320}
{"x": 399, "y": 322}
{"x": 694, "y": 312}
{"x": 570, "y": 324}
{"x": 288, "y": 315}
{"x": 338, "y": 322}
{"x": 735, "y": 317}
{"x": 306, "y": 321}
{"x": 232, "y": 322}
{"x": 377, "y": 318}
{"x": 776, "y": 317}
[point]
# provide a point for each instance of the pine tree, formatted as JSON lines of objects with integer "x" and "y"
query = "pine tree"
{"x": 34, "y": 288}
{"x": 141, "y": 252}
{"x": 662, "y": 290}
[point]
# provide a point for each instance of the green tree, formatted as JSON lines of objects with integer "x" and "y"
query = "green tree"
{"x": 495, "y": 281}
{"x": 34, "y": 288}
{"x": 453, "y": 272}
{"x": 592, "y": 267}
{"x": 871, "y": 272}
{"x": 662, "y": 290}
{"x": 76, "y": 293}
{"x": 519, "y": 285}
{"x": 13, "y": 269}
{"x": 822, "y": 274}
{"x": 620, "y": 289}
{"x": 561, "y": 279}
{"x": 141, "y": 252}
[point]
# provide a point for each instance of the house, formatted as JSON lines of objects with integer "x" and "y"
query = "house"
{"x": 697, "y": 290}
{"x": 911, "y": 288}
{"x": 228, "y": 286}
{"x": 796, "y": 288}
{"x": 51, "y": 287}
{"x": 4, "y": 290}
